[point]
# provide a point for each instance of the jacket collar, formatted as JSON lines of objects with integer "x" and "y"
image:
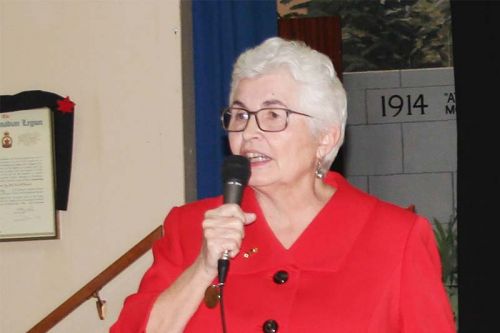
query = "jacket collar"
{"x": 324, "y": 243}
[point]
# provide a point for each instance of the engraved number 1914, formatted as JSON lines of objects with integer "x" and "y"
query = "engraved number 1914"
{"x": 396, "y": 105}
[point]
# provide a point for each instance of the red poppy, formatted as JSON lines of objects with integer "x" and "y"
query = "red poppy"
{"x": 65, "y": 105}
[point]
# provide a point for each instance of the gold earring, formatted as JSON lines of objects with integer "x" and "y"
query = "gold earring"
{"x": 319, "y": 172}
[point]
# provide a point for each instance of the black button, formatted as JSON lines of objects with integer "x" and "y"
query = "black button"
{"x": 270, "y": 326}
{"x": 280, "y": 277}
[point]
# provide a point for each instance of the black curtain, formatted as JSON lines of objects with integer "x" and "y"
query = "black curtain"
{"x": 476, "y": 29}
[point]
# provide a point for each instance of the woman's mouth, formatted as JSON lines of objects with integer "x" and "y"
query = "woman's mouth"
{"x": 257, "y": 157}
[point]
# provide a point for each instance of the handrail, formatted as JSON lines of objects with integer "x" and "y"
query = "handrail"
{"x": 92, "y": 288}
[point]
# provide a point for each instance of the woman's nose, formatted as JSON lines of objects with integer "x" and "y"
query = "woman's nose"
{"x": 252, "y": 127}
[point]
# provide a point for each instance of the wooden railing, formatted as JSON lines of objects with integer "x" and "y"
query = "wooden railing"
{"x": 92, "y": 288}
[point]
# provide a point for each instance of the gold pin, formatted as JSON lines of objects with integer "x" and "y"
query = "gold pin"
{"x": 212, "y": 296}
{"x": 247, "y": 254}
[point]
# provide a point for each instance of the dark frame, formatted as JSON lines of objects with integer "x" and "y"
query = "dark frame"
{"x": 62, "y": 111}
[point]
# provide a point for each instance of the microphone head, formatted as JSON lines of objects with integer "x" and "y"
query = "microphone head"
{"x": 236, "y": 168}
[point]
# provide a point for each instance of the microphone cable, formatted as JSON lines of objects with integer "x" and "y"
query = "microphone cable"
{"x": 222, "y": 312}
{"x": 223, "y": 268}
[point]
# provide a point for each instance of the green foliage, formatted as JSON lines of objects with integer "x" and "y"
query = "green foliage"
{"x": 446, "y": 238}
{"x": 293, "y": 9}
{"x": 388, "y": 34}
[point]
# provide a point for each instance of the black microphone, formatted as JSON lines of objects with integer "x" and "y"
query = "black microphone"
{"x": 235, "y": 175}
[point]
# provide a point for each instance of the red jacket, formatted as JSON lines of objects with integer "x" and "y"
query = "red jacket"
{"x": 363, "y": 265}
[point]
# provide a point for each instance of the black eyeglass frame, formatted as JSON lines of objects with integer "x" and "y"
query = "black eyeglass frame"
{"x": 254, "y": 113}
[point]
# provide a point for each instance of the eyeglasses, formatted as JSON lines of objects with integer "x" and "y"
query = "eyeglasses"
{"x": 235, "y": 119}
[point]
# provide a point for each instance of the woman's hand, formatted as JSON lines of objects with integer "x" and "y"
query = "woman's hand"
{"x": 223, "y": 230}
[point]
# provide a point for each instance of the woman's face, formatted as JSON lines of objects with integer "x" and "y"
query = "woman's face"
{"x": 277, "y": 158}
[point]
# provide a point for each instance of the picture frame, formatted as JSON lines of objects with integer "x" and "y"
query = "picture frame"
{"x": 27, "y": 175}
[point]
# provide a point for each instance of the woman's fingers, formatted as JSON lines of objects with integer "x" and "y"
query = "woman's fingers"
{"x": 225, "y": 210}
{"x": 223, "y": 233}
{"x": 223, "y": 230}
{"x": 250, "y": 218}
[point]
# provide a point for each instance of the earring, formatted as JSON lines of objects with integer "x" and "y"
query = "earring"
{"x": 319, "y": 172}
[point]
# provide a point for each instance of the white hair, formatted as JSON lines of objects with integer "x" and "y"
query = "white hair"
{"x": 322, "y": 95}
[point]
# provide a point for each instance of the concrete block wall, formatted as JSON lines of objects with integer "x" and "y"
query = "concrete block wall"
{"x": 401, "y": 138}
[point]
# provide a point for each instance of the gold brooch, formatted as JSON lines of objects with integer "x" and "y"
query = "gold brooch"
{"x": 252, "y": 251}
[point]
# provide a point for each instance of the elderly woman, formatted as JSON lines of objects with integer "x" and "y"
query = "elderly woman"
{"x": 309, "y": 252}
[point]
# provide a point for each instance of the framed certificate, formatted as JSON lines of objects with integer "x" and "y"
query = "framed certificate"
{"x": 27, "y": 175}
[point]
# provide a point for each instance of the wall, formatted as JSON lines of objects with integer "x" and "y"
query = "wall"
{"x": 120, "y": 62}
{"x": 405, "y": 155}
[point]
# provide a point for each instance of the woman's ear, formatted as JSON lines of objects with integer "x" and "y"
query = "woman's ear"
{"x": 328, "y": 140}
